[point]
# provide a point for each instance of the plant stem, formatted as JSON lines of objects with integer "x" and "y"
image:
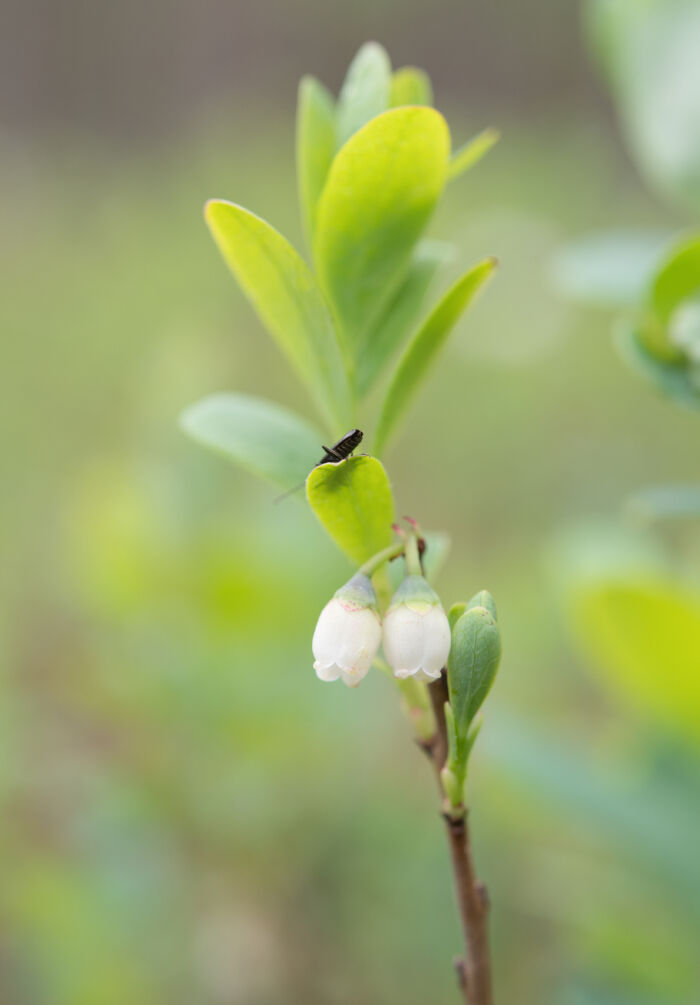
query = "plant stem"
{"x": 413, "y": 562}
{"x": 474, "y": 972}
{"x": 385, "y": 555}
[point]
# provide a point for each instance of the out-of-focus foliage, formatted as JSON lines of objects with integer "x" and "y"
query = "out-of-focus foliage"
{"x": 640, "y": 626}
{"x": 649, "y": 52}
{"x": 662, "y": 338}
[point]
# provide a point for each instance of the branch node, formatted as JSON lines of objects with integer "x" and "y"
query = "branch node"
{"x": 460, "y": 966}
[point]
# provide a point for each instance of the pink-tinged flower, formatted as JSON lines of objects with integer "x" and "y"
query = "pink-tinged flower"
{"x": 416, "y": 631}
{"x": 348, "y": 633}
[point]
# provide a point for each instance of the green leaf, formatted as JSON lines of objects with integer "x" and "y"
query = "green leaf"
{"x": 471, "y": 152}
{"x": 365, "y": 91}
{"x": 260, "y": 436}
{"x": 674, "y": 379}
{"x": 381, "y": 191}
{"x": 424, "y": 347}
{"x": 472, "y": 664}
{"x": 484, "y": 599}
{"x": 316, "y": 142}
{"x": 282, "y": 290}
{"x": 642, "y": 633}
{"x": 354, "y": 503}
{"x": 677, "y": 279}
{"x": 410, "y": 86}
{"x": 455, "y": 613}
{"x": 609, "y": 268}
{"x": 400, "y": 315}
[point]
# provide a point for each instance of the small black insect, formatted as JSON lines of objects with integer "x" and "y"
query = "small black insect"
{"x": 340, "y": 451}
{"x": 343, "y": 448}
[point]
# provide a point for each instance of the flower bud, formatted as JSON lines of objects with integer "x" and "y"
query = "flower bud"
{"x": 348, "y": 633}
{"x": 416, "y": 631}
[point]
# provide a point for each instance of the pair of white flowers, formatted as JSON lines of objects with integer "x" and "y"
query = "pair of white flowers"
{"x": 415, "y": 632}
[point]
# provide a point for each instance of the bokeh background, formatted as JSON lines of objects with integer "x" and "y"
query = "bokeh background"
{"x": 187, "y": 815}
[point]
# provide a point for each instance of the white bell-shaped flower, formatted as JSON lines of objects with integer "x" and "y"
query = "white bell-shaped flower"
{"x": 416, "y": 631}
{"x": 348, "y": 633}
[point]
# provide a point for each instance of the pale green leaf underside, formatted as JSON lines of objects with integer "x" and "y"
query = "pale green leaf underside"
{"x": 260, "y": 436}
{"x": 382, "y": 188}
{"x": 365, "y": 91}
{"x": 354, "y": 503}
{"x": 316, "y": 143}
{"x": 401, "y": 313}
{"x": 424, "y": 347}
{"x": 471, "y": 152}
{"x": 283, "y": 291}
{"x": 410, "y": 86}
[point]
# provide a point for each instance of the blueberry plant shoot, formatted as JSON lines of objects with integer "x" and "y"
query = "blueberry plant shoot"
{"x": 355, "y": 319}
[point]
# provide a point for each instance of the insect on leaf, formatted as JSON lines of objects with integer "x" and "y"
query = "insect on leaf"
{"x": 365, "y": 91}
{"x": 283, "y": 292}
{"x": 354, "y": 503}
{"x": 382, "y": 188}
{"x": 316, "y": 141}
{"x": 424, "y": 347}
{"x": 260, "y": 436}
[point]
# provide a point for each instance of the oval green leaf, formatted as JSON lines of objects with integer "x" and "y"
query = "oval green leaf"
{"x": 316, "y": 142}
{"x": 424, "y": 347}
{"x": 260, "y": 436}
{"x": 472, "y": 664}
{"x": 354, "y": 503}
{"x": 283, "y": 292}
{"x": 365, "y": 91}
{"x": 410, "y": 86}
{"x": 381, "y": 191}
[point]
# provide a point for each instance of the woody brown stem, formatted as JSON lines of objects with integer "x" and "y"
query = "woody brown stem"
{"x": 474, "y": 972}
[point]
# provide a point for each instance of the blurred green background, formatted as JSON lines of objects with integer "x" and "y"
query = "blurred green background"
{"x": 186, "y": 814}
